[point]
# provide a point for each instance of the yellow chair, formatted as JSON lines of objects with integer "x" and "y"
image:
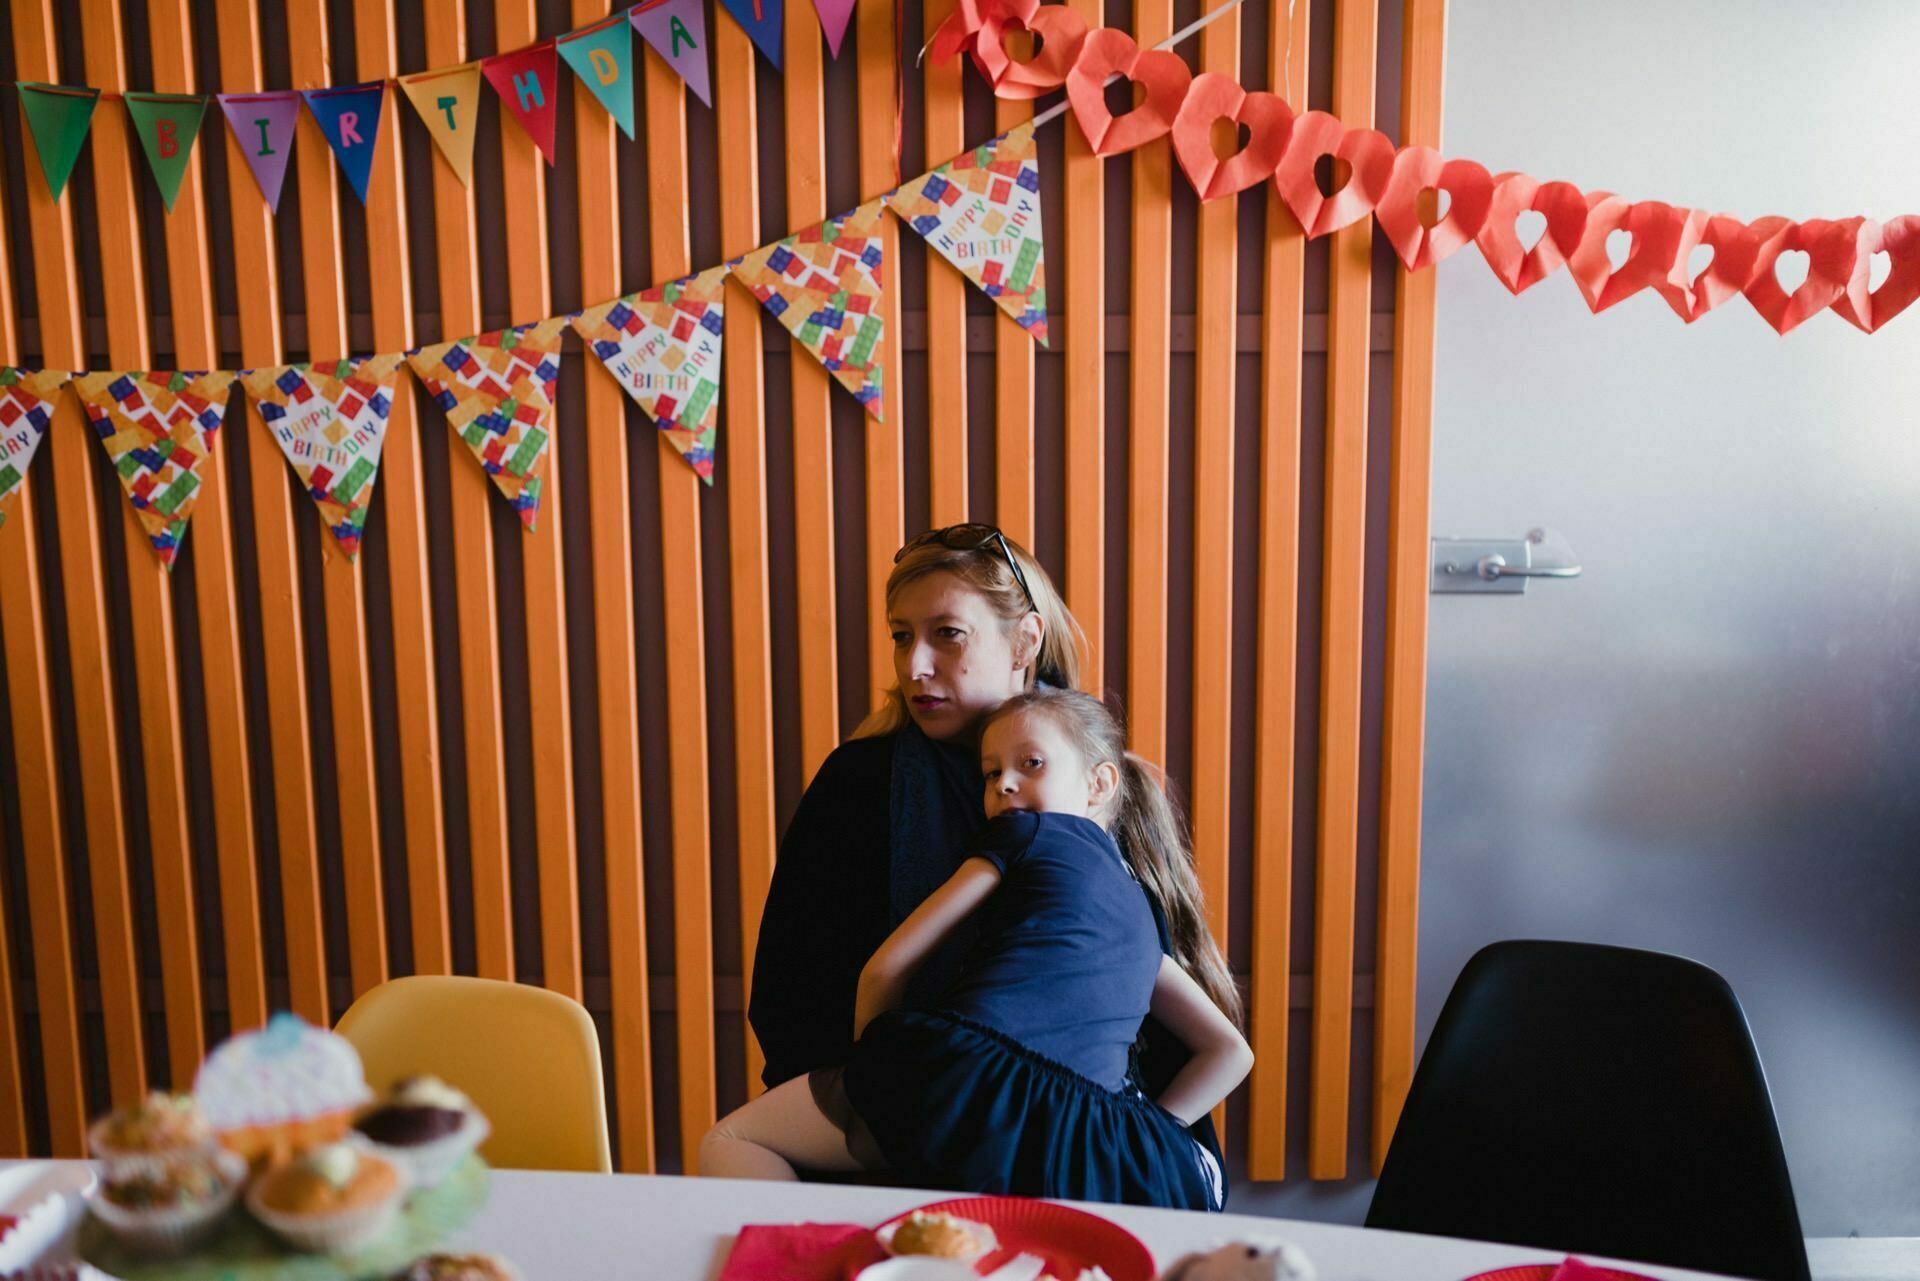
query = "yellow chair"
{"x": 527, "y": 1057}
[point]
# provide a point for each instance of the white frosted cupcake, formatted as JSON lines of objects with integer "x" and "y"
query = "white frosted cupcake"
{"x": 425, "y": 1125}
{"x": 333, "y": 1198}
{"x": 274, "y": 1093}
{"x": 164, "y": 1210}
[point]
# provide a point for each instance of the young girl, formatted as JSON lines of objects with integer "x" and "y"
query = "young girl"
{"x": 1018, "y": 1082}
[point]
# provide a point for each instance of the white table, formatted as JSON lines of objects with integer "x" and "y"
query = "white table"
{"x": 582, "y": 1227}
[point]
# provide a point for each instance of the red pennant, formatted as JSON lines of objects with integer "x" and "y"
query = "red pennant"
{"x": 1367, "y": 152}
{"x": 1163, "y": 74}
{"x": 1469, "y": 189}
{"x": 1565, "y": 208}
{"x": 1061, "y": 32}
{"x": 528, "y": 82}
{"x": 1832, "y": 249}
{"x": 1899, "y": 239}
{"x": 1212, "y": 97}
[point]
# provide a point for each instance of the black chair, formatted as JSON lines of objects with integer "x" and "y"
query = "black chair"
{"x": 1598, "y": 1100}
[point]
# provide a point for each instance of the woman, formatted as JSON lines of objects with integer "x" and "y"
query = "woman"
{"x": 891, "y": 813}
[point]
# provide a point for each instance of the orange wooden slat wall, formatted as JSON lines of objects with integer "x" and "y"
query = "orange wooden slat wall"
{"x": 1013, "y": 371}
{"x": 1349, "y": 321}
{"x": 13, "y": 1107}
{"x": 946, "y": 134}
{"x": 1086, "y": 364}
{"x": 1282, "y": 322}
{"x": 1422, "y": 71}
{"x": 275, "y": 550}
{"x": 470, "y": 495}
{"x": 877, "y": 46}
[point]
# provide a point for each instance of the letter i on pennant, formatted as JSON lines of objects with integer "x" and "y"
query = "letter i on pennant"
{"x": 262, "y": 125}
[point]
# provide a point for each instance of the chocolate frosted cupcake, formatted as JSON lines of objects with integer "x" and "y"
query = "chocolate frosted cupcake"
{"x": 426, "y": 1125}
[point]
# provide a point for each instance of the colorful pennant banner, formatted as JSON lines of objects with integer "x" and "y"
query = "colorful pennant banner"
{"x": 58, "y": 117}
{"x": 167, "y": 124}
{"x": 677, "y": 30}
{"x": 350, "y": 118}
{"x": 663, "y": 345}
{"x": 981, "y": 210}
{"x": 825, "y": 284}
{"x": 602, "y": 56}
{"x": 764, "y": 21}
{"x": 449, "y": 104}
{"x": 834, "y": 15}
{"x": 26, "y": 408}
{"x": 331, "y": 421}
{"x": 497, "y": 392}
{"x": 157, "y": 429}
{"x": 263, "y": 125}
{"x": 528, "y": 82}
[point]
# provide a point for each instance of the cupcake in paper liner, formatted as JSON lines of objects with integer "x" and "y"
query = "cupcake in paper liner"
{"x": 459, "y": 1267}
{"x": 151, "y": 1136}
{"x": 331, "y": 1199}
{"x": 277, "y": 1092}
{"x": 166, "y": 1209}
{"x": 425, "y": 1125}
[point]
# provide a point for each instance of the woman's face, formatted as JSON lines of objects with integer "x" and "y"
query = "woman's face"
{"x": 954, "y": 658}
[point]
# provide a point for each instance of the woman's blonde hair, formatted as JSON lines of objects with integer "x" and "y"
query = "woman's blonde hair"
{"x": 1149, "y": 829}
{"x": 984, "y": 568}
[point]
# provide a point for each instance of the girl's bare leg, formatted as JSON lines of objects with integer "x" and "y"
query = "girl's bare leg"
{"x": 770, "y": 1135}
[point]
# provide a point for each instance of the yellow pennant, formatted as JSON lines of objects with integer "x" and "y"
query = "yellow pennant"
{"x": 448, "y": 101}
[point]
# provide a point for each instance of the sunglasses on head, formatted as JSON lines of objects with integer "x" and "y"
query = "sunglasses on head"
{"x": 971, "y": 537}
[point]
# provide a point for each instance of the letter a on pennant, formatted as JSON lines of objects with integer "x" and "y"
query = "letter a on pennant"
{"x": 262, "y": 125}
{"x": 528, "y": 82}
{"x": 602, "y": 56}
{"x": 350, "y": 118}
{"x": 677, "y": 30}
{"x": 448, "y": 102}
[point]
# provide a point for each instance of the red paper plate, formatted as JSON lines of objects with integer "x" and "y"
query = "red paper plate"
{"x": 1068, "y": 1239}
{"x": 1545, "y": 1271}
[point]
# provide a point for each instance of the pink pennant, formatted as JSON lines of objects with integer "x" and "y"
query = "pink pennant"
{"x": 834, "y": 15}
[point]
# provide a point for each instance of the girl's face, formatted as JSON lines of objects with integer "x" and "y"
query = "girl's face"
{"x": 955, "y": 660}
{"x": 1031, "y": 763}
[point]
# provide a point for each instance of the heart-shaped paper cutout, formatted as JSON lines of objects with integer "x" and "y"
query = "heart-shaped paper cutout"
{"x": 1469, "y": 189}
{"x": 1832, "y": 249}
{"x": 1899, "y": 239}
{"x": 1564, "y": 207}
{"x": 1589, "y": 264}
{"x": 1662, "y": 237}
{"x": 956, "y": 34}
{"x": 1369, "y": 156}
{"x": 1212, "y": 97}
{"x": 1062, "y": 32}
{"x": 1164, "y": 75}
{"x": 1735, "y": 247}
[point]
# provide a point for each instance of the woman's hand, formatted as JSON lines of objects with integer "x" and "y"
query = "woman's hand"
{"x": 1221, "y": 1056}
{"x": 884, "y": 981}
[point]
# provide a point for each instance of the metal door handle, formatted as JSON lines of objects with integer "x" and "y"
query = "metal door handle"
{"x": 1495, "y": 567}
{"x": 1500, "y": 567}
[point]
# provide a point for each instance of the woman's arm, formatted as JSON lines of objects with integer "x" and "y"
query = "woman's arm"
{"x": 1221, "y": 1056}
{"x": 883, "y": 983}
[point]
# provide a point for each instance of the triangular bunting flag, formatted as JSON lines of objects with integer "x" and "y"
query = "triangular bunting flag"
{"x": 331, "y": 420}
{"x": 449, "y": 103}
{"x": 497, "y": 392}
{"x": 26, "y": 407}
{"x": 262, "y": 125}
{"x": 663, "y": 345}
{"x": 825, "y": 284}
{"x": 528, "y": 82}
{"x": 350, "y": 117}
{"x": 763, "y": 20}
{"x": 157, "y": 428}
{"x": 602, "y": 56}
{"x": 833, "y": 21}
{"x": 677, "y": 30}
{"x": 58, "y": 117}
{"x": 981, "y": 210}
{"x": 167, "y": 124}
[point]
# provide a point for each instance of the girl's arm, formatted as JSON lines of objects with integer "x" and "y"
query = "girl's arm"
{"x": 883, "y": 983}
{"x": 1221, "y": 1056}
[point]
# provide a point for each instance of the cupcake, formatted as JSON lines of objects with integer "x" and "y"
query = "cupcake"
{"x": 332, "y": 1198}
{"x": 425, "y": 1125}
{"x": 161, "y": 1129}
{"x": 164, "y": 1208}
{"x": 460, "y": 1267}
{"x": 272, "y": 1094}
{"x": 941, "y": 1235}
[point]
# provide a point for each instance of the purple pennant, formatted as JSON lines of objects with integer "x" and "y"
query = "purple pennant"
{"x": 263, "y": 124}
{"x": 677, "y": 30}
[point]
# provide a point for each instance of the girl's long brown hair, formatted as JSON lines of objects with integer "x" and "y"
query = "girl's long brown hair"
{"x": 1149, "y": 829}
{"x": 985, "y": 570}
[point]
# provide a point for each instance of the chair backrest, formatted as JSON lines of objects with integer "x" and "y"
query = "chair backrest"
{"x": 527, "y": 1057}
{"x": 1599, "y": 1100}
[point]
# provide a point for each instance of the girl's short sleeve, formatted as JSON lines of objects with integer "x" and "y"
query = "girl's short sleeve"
{"x": 1007, "y": 838}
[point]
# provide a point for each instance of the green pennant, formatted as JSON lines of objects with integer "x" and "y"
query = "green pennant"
{"x": 58, "y": 115}
{"x": 602, "y": 56}
{"x": 167, "y": 124}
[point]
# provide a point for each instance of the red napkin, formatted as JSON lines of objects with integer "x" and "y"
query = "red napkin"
{"x": 1571, "y": 1269}
{"x": 801, "y": 1252}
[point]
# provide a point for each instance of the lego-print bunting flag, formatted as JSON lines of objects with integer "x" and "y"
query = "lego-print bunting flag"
{"x": 26, "y": 407}
{"x": 158, "y": 428}
{"x": 497, "y": 391}
{"x": 825, "y": 284}
{"x": 331, "y": 421}
{"x": 663, "y": 345}
{"x": 981, "y": 210}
